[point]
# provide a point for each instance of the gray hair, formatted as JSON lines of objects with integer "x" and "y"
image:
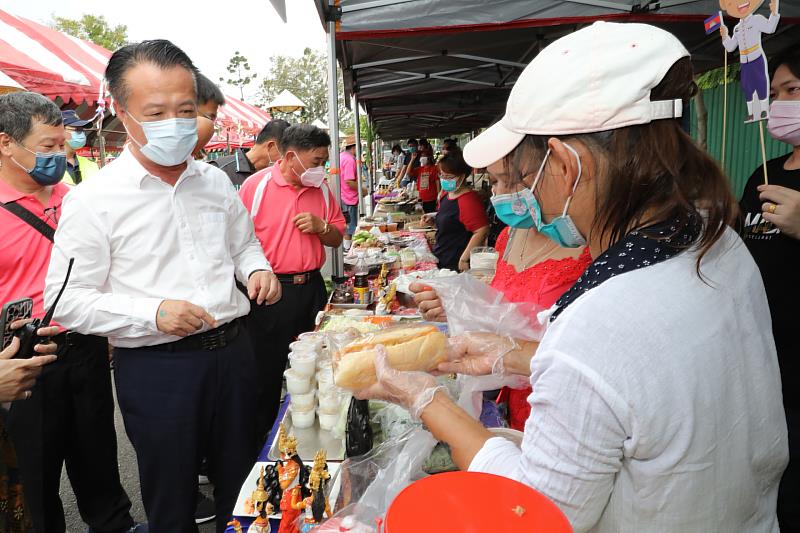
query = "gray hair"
{"x": 19, "y": 110}
{"x": 159, "y": 52}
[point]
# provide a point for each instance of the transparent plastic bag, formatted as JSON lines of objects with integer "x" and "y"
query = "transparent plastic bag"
{"x": 370, "y": 483}
{"x": 473, "y": 306}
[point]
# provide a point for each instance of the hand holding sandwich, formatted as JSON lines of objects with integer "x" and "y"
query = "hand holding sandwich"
{"x": 410, "y": 389}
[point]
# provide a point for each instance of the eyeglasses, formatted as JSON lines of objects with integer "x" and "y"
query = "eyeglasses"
{"x": 448, "y": 176}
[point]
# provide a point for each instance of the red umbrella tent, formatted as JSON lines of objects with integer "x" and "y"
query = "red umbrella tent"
{"x": 70, "y": 70}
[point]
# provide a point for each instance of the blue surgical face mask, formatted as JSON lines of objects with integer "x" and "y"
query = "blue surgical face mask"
{"x": 449, "y": 184}
{"x": 561, "y": 230}
{"x": 77, "y": 140}
{"x": 514, "y": 209}
{"x": 49, "y": 167}
{"x": 169, "y": 141}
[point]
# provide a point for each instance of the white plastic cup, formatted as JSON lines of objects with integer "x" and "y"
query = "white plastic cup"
{"x": 302, "y": 419}
{"x": 296, "y": 383}
{"x": 329, "y": 401}
{"x": 303, "y": 401}
{"x": 325, "y": 378}
{"x": 324, "y": 365}
{"x": 327, "y": 419}
{"x": 314, "y": 336}
{"x": 306, "y": 345}
{"x": 304, "y": 363}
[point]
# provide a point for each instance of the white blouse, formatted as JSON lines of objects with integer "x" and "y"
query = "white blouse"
{"x": 656, "y": 403}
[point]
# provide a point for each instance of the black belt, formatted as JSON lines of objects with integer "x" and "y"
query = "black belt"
{"x": 72, "y": 344}
{"x": 212, "y": 339}
{"x": 298, "y": 279}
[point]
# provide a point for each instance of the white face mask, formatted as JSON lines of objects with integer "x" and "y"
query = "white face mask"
{"x": 311, "y": 177}
{"x": 169, "y": 141}
{"x": 423, "y": 161}
{"x": 784, "y": 121}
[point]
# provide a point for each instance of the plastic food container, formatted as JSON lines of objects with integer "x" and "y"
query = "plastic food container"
{"x": 296, "y": 383}
{"x": 327, "y": 419}
{"x": 330, "y": 402}
{"x": 303, "y": 363}
{"x": 303, "y": 401}
{"x": 302, "y": 419}
{"x": 325, "y": 377}
{"x": 306, "y": 345}
{"x": 314, "y": 336}
{"x": 324, "y": 364}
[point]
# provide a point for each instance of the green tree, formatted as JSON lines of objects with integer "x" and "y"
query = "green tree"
{"x": 93, "y": 28}
{"x": 307, "y": 78}
{"x": 239, "y": 69}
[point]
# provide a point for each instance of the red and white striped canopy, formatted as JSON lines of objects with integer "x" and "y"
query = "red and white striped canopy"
{"x": 55, "y": 64}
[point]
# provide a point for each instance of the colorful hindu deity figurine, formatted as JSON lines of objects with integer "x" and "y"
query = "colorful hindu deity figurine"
{"x": 316, "y": 505}
{"x": 261, "y": 507}
{"x": 293, "y": 476}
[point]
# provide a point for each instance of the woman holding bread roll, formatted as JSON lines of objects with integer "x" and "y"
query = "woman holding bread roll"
{"x": 656, "y": 401}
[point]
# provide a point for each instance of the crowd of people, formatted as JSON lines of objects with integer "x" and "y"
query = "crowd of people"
{"x": 660, "y": 394}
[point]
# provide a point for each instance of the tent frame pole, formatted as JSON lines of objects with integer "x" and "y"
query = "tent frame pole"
{"x": 359, "y": 154}
{"x": 337, "y": 257}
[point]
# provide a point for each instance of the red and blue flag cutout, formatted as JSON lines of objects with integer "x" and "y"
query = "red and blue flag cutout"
{"x": 713, "y": 23}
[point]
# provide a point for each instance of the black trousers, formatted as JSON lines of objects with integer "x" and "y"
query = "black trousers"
{"x": 181, "y": 406}
{"x": 789, "y": 492}
{"x": 69, "y": 419}
{"x": 272, "y": 328}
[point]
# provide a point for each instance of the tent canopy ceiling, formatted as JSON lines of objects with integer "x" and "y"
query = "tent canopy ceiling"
{"x": 437, "y": 68}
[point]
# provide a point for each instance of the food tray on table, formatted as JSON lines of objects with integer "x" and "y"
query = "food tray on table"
{"x": 309, "y": 441}
{"x": 252, "y": 481}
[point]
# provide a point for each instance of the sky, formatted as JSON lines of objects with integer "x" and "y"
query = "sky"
{"x": 210, "y": 36}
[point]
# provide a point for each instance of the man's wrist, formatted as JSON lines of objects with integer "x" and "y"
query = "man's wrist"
{"x": 256, "y": 270}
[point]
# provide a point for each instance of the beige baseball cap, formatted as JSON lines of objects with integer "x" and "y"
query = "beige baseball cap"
{"x": 598, "y": 78}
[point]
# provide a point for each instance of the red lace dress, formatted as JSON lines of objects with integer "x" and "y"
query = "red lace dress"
{"x": 542, "y": 284}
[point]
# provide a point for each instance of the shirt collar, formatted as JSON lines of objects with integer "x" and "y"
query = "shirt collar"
{"x": 9, "y": 193}
{"x": 243, "y": 163}
{"x": 277, "y": 176}
{"x": 128, "y": 165}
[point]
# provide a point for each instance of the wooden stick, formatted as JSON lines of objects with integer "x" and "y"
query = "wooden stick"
{"x": 724, "y": 105}
{"x": 763, "y": 150}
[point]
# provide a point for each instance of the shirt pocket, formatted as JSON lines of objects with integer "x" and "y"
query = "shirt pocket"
{"x": 214, "y": 234}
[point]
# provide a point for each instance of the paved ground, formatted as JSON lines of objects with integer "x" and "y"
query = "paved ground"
{"x": 130, "y": 480}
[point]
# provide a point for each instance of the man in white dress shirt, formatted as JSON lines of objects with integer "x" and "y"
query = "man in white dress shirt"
{"x": 157, "y": 242}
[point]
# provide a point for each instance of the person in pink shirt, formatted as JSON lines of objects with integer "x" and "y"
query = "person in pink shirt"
{"x": 350, "y": 188}
{"x": 295, "y": 215}
{"x": 68, "y": 415}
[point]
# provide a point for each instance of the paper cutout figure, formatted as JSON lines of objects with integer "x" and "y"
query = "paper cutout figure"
{"x": 747, "y": 38}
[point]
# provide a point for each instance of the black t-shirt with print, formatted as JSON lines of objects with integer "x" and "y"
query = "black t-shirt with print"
{"x": 778, "y": 258}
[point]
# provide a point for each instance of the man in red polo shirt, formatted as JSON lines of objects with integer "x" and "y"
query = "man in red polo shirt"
{"x": 295, "y": 215}
{"x": 69, "y": 415}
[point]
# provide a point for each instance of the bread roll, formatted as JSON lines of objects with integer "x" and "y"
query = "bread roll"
{"x": 410, "y": 348}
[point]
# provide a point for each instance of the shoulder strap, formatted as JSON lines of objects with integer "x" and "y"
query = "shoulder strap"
{"x": 29, "y": 218}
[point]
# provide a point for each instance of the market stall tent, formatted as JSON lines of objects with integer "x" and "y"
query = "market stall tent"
{"x": 434, "y": 67}
{"x": 70, "y": 71}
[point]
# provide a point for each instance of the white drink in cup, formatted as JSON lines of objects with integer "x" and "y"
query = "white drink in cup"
{"x": 483, "y": 258}
{"x": 296, "y": 383}
{"x": 304, "y": 363}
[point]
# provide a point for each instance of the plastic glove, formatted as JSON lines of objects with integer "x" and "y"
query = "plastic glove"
{"x": 429, "y": 303}
{"x": 478, "y": 354}
{"x": 412, "y": 390}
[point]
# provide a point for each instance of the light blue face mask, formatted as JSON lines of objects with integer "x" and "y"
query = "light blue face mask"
{"x": 522, "y": 210}
{"x": 77, "y": 140}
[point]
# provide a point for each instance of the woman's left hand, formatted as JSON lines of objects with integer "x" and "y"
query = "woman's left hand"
{"x": 412, "y": 390}
{"x": 782, "y": 208}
